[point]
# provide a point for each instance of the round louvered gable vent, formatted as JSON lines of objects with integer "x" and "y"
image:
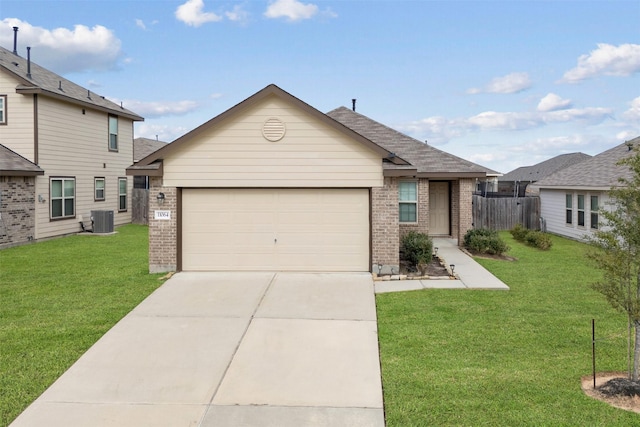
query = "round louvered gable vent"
{"x": 273, "y": 129}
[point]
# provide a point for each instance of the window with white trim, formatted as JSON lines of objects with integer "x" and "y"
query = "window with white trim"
{"x": 3, "y": 109}
{"x": 98, "y": 185}
{"x": 122, "y": 194}
{"x": 595, "y": 207}
{"x": 63, "y": 198}
{"x": 569, "y": 209}
{"x": 580, "y": 210}
{"x": 408, "y": 201}
{"x": 113, "y": 133}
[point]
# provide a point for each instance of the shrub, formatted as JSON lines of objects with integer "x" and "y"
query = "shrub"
{"x": 416, "y": 247}
{"x": 519, "y": 232}
{"x": 485, "y": 241}
{"x": 539, "y": 240}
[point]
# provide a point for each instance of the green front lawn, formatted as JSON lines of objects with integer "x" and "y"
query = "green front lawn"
{"x": 493, "y": 358}
{"x": 57, "y": 298}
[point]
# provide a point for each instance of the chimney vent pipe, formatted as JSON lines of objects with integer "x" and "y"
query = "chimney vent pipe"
{"x": 15, "y": 40}
{"x": 353, "y": 104}
{"x": 29, "y": 62}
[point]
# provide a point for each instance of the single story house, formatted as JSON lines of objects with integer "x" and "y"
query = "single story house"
{"x": 274, "y": 184}
{"x": 572, "y": 198}
{"x": 516, "y": 183}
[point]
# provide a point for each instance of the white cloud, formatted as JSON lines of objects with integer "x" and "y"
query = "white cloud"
{"x": 511, "y": 83}
{"x": 439, "y": 130}
{"x": 292, "y": 10}
{"x": 64, "y": 50}
{"x": 159, "y": 108}
{"x": 553, "y": 102}
{"x": 192, "y": 14}
{"x": 633, "y": 113}
{"x": 238, "y": 14}
{"x": 163, "y": 132}
{"x": 609, "y": 60}
{"x": 140, "y": 24}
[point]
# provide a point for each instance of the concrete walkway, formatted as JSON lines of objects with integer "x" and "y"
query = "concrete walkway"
{"x": 230, "y": 349}
{"x": 470, "y": 274}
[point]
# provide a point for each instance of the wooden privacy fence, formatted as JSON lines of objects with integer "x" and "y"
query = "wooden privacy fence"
{"x": 139, "y": 206}
{"x": 504, "y": 213}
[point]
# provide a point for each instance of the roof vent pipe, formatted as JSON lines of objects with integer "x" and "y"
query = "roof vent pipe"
{"x": 353, "y": 104}
{"x": 29, "y": 62}
{"x": 15, "y": 40}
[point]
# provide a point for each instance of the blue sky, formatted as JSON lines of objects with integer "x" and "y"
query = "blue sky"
{"x": 503, "y": 84}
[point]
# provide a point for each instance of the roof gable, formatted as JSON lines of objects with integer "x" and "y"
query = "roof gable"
{"x": 45, "y": 82}
{"x": 429, "y": 161}
{"x": 599, "y": 172}
{"x": 238, "y": 109}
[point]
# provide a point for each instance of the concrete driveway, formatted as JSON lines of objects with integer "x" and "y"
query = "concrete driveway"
{"x": 230, "y": 349}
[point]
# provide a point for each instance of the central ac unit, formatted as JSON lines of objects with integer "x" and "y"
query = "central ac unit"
{"x": 102, "y": 221}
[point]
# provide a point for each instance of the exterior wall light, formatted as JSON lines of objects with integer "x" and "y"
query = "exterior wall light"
{"x": 160, "y": 198}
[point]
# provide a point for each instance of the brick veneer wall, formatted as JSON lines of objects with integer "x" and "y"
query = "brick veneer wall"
{"x": 17, "y": 210}
{"x": 466, "y": 186}
{"x": 163, "y": 234}
{"x": 384, "y": 227}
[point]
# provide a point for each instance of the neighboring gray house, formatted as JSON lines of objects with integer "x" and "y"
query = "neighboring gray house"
{"x": 516, "y": 183}
{"x": 274, "y": 184}
{"x": 572, "y": 198}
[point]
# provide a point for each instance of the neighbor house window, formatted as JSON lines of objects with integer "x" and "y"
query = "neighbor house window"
{"x": 113, "y": 133}
{"x": 594, "y": 212}
{"x": 98, "y": 184}
{"x": 581, "y": 210}
{"x": 3, "y": 109}
{"x": 408, "y": 199}
{"x": 569, "y": 205}
{"x": 122, "y": 194}
{"x": 63, "y": 198}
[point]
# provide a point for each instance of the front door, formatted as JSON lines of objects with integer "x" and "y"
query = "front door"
{"x": 439, "y": 221}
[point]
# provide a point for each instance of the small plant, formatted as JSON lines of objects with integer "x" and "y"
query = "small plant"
{"x": 533, "y": 238}
{"x": 519, "y": 233}
{"x": 416, "y": 248}
{"x": 539, "y": 240}
{"x": 485, "y": 241}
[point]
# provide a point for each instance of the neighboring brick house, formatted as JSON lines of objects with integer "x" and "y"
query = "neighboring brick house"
{"x": 17, "y": 197}
{"x": 572, "y": 198}
{"x": 274, "y": 184}
{"x": 79, "y": 142}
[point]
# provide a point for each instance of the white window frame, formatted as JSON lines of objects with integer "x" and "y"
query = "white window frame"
{"x": 122, "y": 196}
{"x": 96, "y": 196}
{"x": 3, "y": 109}
{"x": 568, "y": 209}
{"x": 113, "y": 132}
{"x": 595, "y": 213}
{"x": 62, "y": 198}
{"x": 581, "y": 211}
{"x": 413, "y": 202}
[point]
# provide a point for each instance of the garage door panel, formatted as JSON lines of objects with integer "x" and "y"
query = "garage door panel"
{"x": 275, "y": 229}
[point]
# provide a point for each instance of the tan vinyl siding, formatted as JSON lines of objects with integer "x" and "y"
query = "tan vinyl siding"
{"x": 235, "y": 154}
{"x": 73, "y": 144}
{"x": 18, "y": 133}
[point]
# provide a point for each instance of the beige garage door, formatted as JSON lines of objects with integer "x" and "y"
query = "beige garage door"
{"x": 275, "y": 229}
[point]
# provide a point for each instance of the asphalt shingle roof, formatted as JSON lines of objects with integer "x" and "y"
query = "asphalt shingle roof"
{"x": 49, "y": 83}
{"x": 600, "y": 171}
{"x": 11, "y": 163}
{"x": 142, "y": 147}
{"x": 544, "y": 169}
{"x": 425, "y": 158}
